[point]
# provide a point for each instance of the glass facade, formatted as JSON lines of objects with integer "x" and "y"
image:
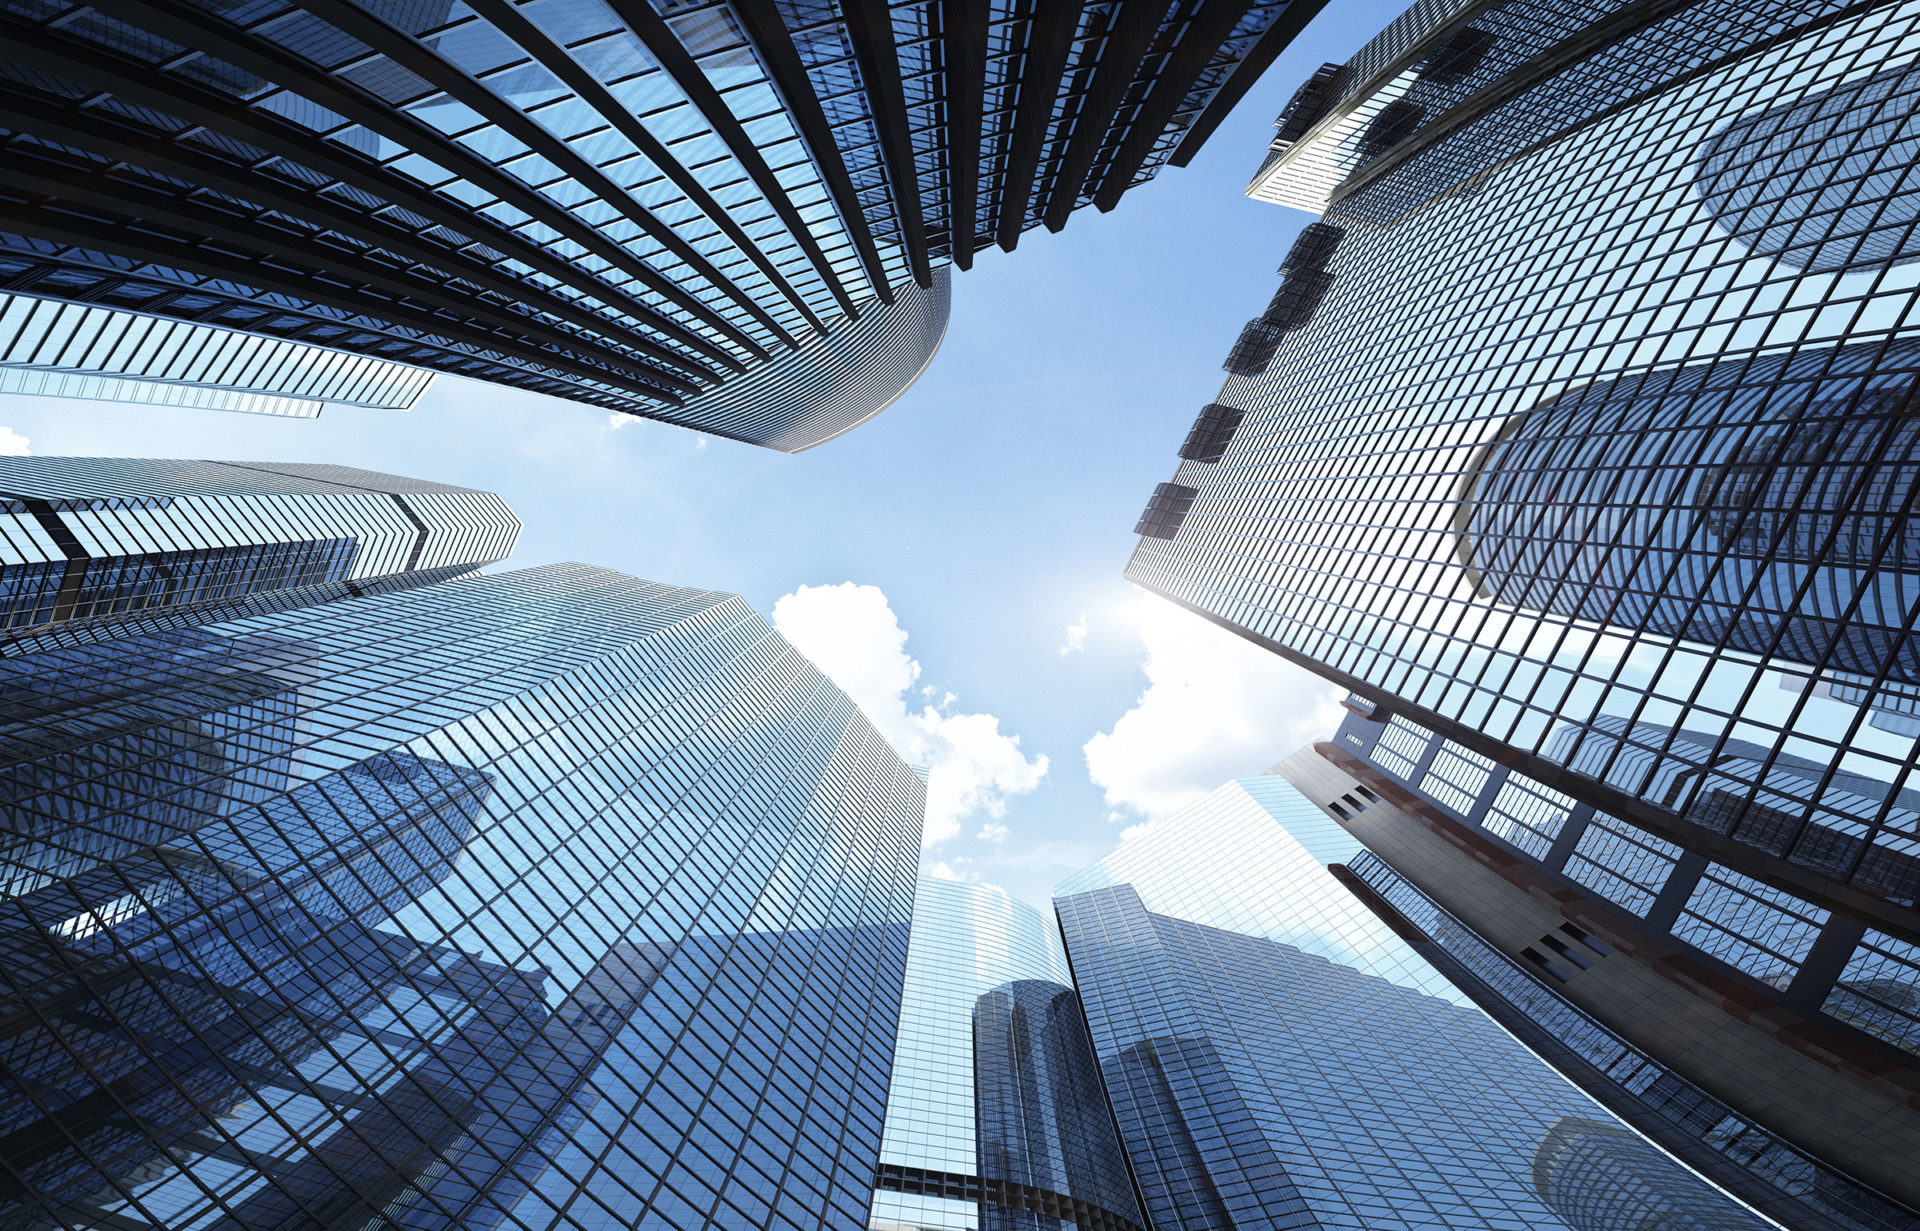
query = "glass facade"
{"x": 546, "y": 899}
{"x": 1259, "y": 1086}
{"x": 72, "y": 350}
{"x": 94, "y": 547}
{"x": 996, "y": 1117}
{"x": 1662, "y": 982}
{"x": 1251, "y": 857}
{"x": 627, "y": 204}
{"x": 1041, "y": 1113}
{"x": 1594, "y": 456}
{"x": 836, "y": 381}
{"x": 1599, "y": 1177}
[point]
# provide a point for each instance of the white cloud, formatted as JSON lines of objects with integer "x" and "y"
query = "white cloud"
{"x": 1076, "y": 637}
{"x": 1215, "y": 707}
{"x": 944, "y": 871}
{"x": 13, "y": 444}
{"x": 616, "y": 421}
{"x": 851, "y": 633}
{"x": 993, "y": 831}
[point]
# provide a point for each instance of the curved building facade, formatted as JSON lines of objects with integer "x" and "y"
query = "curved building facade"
{"x": 1618, "y": 252}
{"x": 1600, "y": 1177}
{"x": 1041, "y": 1112}
{"x": 838, "y": 379}
{"x": 994, "y": 1118}
{"x": 1827, "y": 182}
{"x": 629, "y": 205}
{"x": 1762, "y": 504}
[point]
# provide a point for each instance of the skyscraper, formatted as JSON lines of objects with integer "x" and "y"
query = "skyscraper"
{"x": 56, "y": 349}
{"x": 1260, "y": 1086}
{"x": 643, "y": 206}
{"x": 1251, "y": 857}
{"x": 553, "y": 898}
{"x": 996, "y": 1117}
{"x": 95, "y": 546}
{"x": 1579, "y": 432}
{"x": 1768, "y": 1040}
{"x": 1280, "y": 1056}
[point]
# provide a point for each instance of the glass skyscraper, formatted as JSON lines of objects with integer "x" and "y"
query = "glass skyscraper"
{"x": 92, "y": 547}
{"x": 56, "y": 349}
{"x": 544, "y": 899}
{"x": 1252, "y": 857}
{"x": 634, "y": 204}
{"x": 1579, "y": 435}
{"x": 1259, "y": 1086}
{"x": 1280, "y": 1056}
{"x": 1764, "y": 1038}
{"x": 996, "y": 1117}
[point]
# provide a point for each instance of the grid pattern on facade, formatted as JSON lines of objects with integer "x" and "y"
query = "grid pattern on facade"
{"x": 1748, "y": 925}
{"x": 75, "y": 350}
{"x": 1457, "y": 777}
{"x": 1504, "y": 107}
{"x": 617, "y": 203}
{"x": 1343, "y": 525}
{"x": 1041, "y": 1115}
{"x": 1004, "y": 1196}
{"x": 1528, "y": 815}
{"x": 1401, "y": 747}
{"x": 90, "y": 541}
{"x": 1622, "y": 863}
{"x": 1169, "y": 507}
{"x": 1255, "y": 1082}
{"x": 1634, "y": 1085}
{"x": 1251, "y": 857}
{"x": 1703, "y": 779}
{"x": 33, "y": 382}
{"x": 551, "y": 899}
{"x": 1880, "y": 990}
{"x": 1596, "y": 1174}
{"x": 967, "y": 941}
{"x": 833, "y": 382}
{"x": 1212, "y": 429}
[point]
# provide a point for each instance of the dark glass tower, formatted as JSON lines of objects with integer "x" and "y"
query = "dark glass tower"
{"x": 1766, "y": 1039}
{"x": 1581, "y": 430}
{"x": 1042, "y": 1116}
{"x": 996, "y": 1117}
{"x": 96, "y": 547}
{"x": 550, "y": 898}
{"x": 625, "y": 204}
{"x": 1258, "y": 1086}
{"x": 1600, "y": 1177}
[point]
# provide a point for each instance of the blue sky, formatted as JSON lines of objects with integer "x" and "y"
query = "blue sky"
{"x": 992, "y": 508}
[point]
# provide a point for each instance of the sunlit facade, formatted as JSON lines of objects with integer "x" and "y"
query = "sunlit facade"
{"x": 1251, "y": 857}
{"x": 1591, "y": 449}
{"x": 93, "y": 547}
{"x": 54, "y": 349}
{"x": 551, "y": 898}
{"x": 996, "y": 1116}
{"x": 1760, "y": 1036}
{"x": 630, "y": 205}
